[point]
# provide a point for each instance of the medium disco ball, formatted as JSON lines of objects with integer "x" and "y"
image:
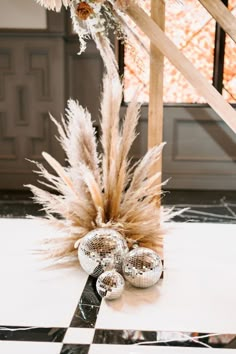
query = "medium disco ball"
{"x": 110, "y": 285}
{"x": 102, "y": 249}
{"x": 142, "y": 267}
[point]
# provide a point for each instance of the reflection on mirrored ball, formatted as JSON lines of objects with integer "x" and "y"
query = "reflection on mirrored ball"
{"x": 110, "y": 285}
{"x": 102, "y": 249}
{"x": 142, "y": 267}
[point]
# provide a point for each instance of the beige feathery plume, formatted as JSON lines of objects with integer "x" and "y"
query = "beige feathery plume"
{"x": 115, "y": 148}
{"x": 74, "y": 213}
{"x": 58, "y": 169}
{"x": 93, "y": 187}
{"x": 144, "y": 169}
{"x": 78, "y": 138}
{"x": 76, "y": 202}
{"x": 114, "y": 194}
{"x": 127, "y": 137}
{"x": 104, "y": 46}
{"x": 110, "y": 108}
{"x": 75, "y": 192}
{"x": 54, "y": 4}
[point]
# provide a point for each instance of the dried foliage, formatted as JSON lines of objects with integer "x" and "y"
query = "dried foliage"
{"x": 54, "y": 4}
{"x": 105, "y": 191}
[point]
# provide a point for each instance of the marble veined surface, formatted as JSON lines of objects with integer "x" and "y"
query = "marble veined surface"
{"x": 54, "y": 310}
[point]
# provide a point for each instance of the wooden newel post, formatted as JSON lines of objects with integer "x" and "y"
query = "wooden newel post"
{"x": 155, "y": 112}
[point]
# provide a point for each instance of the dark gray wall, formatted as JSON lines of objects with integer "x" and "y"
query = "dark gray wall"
{"x": 40, "y": 70}
{"x": 200, "y": 152}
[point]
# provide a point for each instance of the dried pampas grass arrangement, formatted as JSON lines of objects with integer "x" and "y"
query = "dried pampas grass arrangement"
{"x": 101, "y": 191}
{"x": 55, "y": 5}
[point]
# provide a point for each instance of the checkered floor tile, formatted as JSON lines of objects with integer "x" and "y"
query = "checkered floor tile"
{"x": 59, "y": 312}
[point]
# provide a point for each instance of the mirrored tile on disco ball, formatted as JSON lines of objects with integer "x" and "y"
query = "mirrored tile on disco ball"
{"x": 110, "y": 285}
{"x": 101, "y": 250}
{"x": 142, "y": 267}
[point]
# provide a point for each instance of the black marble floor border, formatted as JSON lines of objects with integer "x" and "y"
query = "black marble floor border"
{"x": 85, "y": 315}
{"x": 75, "y": 349}
{"x": 213, "y": 207}
{"x": 32, "y": 334}
{"x": 118, "y": 337}
{"x": 153, "y": 338}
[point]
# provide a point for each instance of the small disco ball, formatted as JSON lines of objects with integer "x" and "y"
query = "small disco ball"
{"x": 142, "y": 267}
{"x": 102, "y": 249}
{"x": 110, "y": 285}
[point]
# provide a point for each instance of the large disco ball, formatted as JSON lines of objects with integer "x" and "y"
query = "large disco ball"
{"x": 102, "y": 249}
{"x": 142, "y": 267}
{"x": 110, "y": 285}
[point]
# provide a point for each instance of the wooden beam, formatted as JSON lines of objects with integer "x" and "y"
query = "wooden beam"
{"x": 155, "y": 108}
{"x": 168, "y": 48}
{"x": 222, "y": 15}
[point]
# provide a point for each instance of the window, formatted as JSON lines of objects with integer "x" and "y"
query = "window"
{"x": 196, "y": 34}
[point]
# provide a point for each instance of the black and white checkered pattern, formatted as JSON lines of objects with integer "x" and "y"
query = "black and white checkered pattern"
{"x": 83, "y": 337}
{"x": 77, "y": 329}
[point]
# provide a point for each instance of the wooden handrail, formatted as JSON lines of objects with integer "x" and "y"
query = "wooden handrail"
{"x": 222, "y": 15}
{"x": 196, "y": 79}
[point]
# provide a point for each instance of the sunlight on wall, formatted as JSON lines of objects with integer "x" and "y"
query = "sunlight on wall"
{"x": 192, "y": 29}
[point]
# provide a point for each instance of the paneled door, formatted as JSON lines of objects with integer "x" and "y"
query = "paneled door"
{"x": 31, "y": 85}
